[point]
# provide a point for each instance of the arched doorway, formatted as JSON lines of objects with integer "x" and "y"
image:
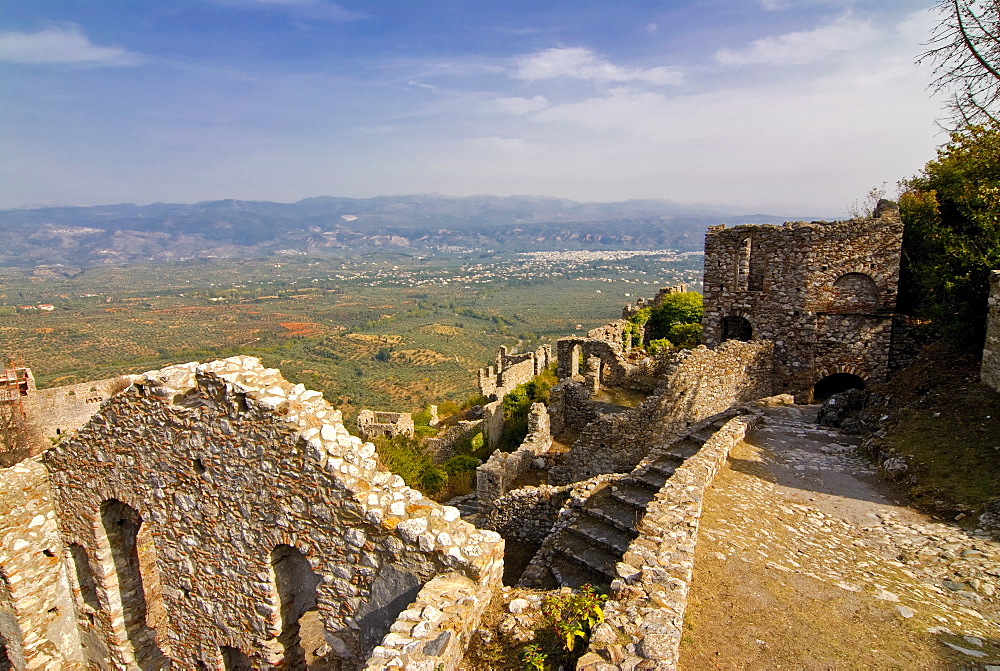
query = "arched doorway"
{"x": 735, "y": 327}
{"x": 836, "y": 383}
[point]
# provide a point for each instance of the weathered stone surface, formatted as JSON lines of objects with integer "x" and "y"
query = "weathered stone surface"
{"x": 823, "y": 292}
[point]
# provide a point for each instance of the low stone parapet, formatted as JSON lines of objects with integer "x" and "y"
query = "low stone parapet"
{"x": 433, "y": 633}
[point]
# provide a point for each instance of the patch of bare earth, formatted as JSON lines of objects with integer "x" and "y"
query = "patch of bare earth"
{"x": 804, "y": 562}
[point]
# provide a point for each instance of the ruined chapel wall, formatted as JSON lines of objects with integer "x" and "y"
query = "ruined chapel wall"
{"x": 699, "y": 383}
{"x": 226, "y": 461}
{"x": 57, "y": 411}
{"x": 990, "y": 371}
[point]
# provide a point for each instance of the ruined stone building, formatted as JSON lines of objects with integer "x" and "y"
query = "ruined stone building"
{"x": 216, "y": 516}
{"x": 510, "y": 370}
{"x": 372, "y": 423}
{"x": 823, "y": 292}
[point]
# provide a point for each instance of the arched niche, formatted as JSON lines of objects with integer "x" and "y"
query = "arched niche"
{"x": 735, "y": 327}
{"x": 836, "y": 383}
{"x": 854, "y": 292}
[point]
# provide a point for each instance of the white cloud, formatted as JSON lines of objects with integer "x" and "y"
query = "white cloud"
{"x": 519, "y": 105}
{"x": 582, "y": 63}
{"x": 65, "y": 43}
{"x": 844, "y": 33}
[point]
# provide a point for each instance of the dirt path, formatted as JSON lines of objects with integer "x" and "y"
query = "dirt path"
{"x": 804, "y": 562}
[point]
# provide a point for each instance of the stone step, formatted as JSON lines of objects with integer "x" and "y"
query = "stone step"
{"x": 623, "y": 515}
{"x": 653, "y": 477}
{"x": 597, "y": 531}
{"x": 634, "y": 493}
{"x": 595, "y": 559}
{"x": 568, "y": 573}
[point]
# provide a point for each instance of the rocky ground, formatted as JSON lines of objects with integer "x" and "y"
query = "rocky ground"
{"x": 804, "y": 560}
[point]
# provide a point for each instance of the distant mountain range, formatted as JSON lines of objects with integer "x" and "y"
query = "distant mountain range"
{"x": 117, "y": 234}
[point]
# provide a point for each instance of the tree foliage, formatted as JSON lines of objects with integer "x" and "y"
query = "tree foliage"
{"x": 951, "y": 212}
{"x": 678, "y": 319}
{"x": 965, "y": 50}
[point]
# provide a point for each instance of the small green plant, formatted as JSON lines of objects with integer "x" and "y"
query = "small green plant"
{"x": 573, "y": 616}
{"x": 533, "y": 657}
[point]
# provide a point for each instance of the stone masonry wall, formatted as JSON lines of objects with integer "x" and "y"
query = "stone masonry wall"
{"x": 990, "y": 371}
{"x": 38, "y": 616}
{"x": 55, "y": 412}
{"x": 495, "y": 477}
{"x": 823, "y": 292}
{"x": 388, "y": 424}
{"x": 224, "y": 463}
{"x": 644, "y": 616}
{"x": 510, "y": 370}
{"x": 698, "y": 383}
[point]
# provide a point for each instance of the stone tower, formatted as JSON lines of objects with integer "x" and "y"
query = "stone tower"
{"x": 824, "y": 292}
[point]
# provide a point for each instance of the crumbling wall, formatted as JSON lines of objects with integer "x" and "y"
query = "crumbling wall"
{"x": 697, "y": 384}
{"x": 510, "y": 370}
{"x": 228, "y": 469}
{"x": 38, "y": 616}
{"x": 990, "y": 371}
{"x": 495, "y": 477}
{"x": 443, "y": 447}
{"x": 54, "y": 412}
{"x": 526, "y": 514}
{"x": 372, "y": 424}
{"x": 823, "y": 292}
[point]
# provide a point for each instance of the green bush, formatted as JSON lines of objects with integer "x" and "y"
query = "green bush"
{"x": 459, "y": 463}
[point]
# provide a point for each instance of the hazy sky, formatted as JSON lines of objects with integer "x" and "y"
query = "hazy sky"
{"x": 784, "y": 106}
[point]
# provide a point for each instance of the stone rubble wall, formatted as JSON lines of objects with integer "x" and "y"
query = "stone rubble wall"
{"x": 225, "y": 461}
{"x": 388, "y": 424}
{"x": 698, "y": 383}
{"x": 510, "y": 370}
{"x": 434, "y": 632}
{"x": 443, "y": 447}
{"x": 38, "y": 616}
{"x": 53, "y": 413}
{"x": 527, "y": 514}
{"x": 823, "y": 292}
{"x": 495, "y": 477}
{"x": 644, "y": 616}
{"x": 493, "y": 423}
{"x": 990, "y": 371}
{"x": 568, "y": 407}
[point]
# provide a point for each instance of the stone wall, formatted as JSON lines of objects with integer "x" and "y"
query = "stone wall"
{"x": 527, "y": 514}
{"x": 433, "y": 633}
{"x": 373, "y": 424}
{"x": 220, "y": 513}
{"x": 52, "y": 413}
{"x": 697, "y": 384}
{"x": 990, "y": 372}
{"x": 496, "y": 476}
{"x": 644, "y": 616}
{"x": 823, "y": 292}
{"x": 510, "y": 370}
{"x": 569, "y": 410}
{"x": 38, "y": 616}
{"x": 443, "y": 447}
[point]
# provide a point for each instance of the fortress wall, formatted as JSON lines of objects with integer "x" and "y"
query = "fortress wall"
{"x": 495, "y": 477}
{"x": 247, "y": 508}
{"x": 527, "y": 514}
{"x": 990, "y": 371}
{"x": 38, "y": 615}
{"x": 54, "y": 412}
{"x": 698, "y": 383}
{"x": 644, "y": 616}
{"x": 511, "y": 370}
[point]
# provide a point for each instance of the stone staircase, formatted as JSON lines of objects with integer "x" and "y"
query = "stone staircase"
{"x": 587, "y": 548}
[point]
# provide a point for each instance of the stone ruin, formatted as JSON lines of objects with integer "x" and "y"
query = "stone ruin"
{"x": 990, "y": 371}
{"x": 216, "y": 516}
{"x": 372, "y": 423}
{"x": 823, "y": 292}
{"x": 510, "y": 370}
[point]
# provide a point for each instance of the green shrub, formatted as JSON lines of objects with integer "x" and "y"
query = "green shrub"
{"x": 459, "y": 463}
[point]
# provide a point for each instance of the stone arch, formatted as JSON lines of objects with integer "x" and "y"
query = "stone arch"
{"x": 736, "y": 327}
{"x": 840, "y": 379}
{"x": 854, "y": 292}
{"x": 132, "y": 578}
{"x": 295, "y": 583}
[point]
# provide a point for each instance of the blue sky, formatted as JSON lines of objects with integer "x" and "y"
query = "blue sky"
{"x": 783, "y": 106}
